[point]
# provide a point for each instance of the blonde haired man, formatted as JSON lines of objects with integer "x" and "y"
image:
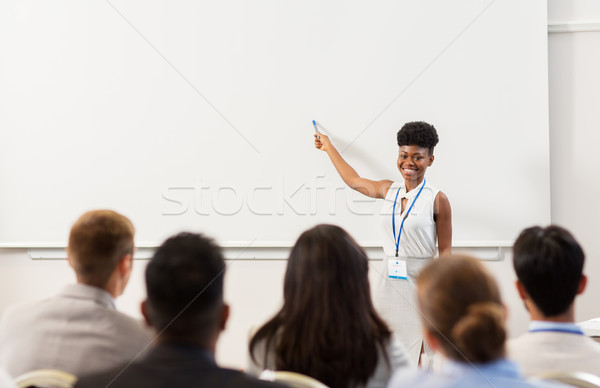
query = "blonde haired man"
{"x": 79, "y": 330}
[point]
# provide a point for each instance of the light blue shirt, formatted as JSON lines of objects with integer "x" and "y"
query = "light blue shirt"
{"x": 497, "y": 374}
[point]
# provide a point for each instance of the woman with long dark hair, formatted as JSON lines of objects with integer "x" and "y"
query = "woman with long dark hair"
{"x": 328, "y": 328}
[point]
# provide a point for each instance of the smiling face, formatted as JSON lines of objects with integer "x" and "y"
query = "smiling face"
{"x": 413, "y": 161}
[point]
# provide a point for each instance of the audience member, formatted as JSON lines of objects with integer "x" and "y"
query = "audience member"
{"x": 184, "y": 283}
{"x": 463, "y": 318}
{"x": 549, "y": 266}
{"x": 79, "y": 330}
{"x": 328, "y": 328}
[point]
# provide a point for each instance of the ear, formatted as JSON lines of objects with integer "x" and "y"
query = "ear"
{"x": 432, "y": 341}
{"x": 126, "y": 264}
{"x": 145, "y": 312}
{"x": 521, "y": 290}
{"x": 582, "y": 284}
{"x": 431, "y": 158}
{"x": 70, "y": 261}
{"x": 223, "y": 317}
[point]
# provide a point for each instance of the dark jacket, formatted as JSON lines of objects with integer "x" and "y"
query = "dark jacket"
{"x": 172, "y": 366}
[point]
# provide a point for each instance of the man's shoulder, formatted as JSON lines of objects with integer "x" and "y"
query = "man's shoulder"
{"x": 57, "y": 306}
{"x": 541, "y": 352}
{"x": 82, "y": 316}
{"x": 521, "y": 340}
{"x": 142, "y": 374}
{"x": 27, "y": 310}
{"x": 528, "y": 341}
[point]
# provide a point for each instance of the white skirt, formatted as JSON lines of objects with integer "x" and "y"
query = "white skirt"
{"x": 396, "y": 302}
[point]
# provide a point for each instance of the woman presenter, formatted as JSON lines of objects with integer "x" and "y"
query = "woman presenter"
{"x": 415, "y": 216}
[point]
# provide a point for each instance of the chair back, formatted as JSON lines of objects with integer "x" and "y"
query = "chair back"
{"x": 575, "y": 379}
{"x": 292, "y": 379}
{"x": 46, "y": 378}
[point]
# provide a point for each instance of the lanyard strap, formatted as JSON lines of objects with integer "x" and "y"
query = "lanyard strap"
{"x": 397, "y": 240}
{"x": 559, "y": 330}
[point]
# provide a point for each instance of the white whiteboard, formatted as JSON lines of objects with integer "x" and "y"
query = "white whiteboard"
{"x": 197, "y": 115}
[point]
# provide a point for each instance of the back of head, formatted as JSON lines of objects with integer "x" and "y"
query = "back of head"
{"x": 461, "y": 307}
{"x": 98, "y": 241}
{"x": 184, "y": 283}
{"x": 549, "y": 263}
{"x": 418, "y": 133}
{"x": 327, "y": 268}
{"x": 328, "y": 313}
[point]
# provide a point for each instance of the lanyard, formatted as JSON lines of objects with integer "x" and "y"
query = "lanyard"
{"x": 397, "y": 240}
{"x": 559, "y": 330}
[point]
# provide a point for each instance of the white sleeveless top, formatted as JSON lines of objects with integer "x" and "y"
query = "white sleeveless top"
{"x": 419, "y": 234}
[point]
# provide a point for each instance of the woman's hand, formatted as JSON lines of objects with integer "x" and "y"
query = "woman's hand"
{"x": 324, "y": 144}
{"x": 374, "y": 189}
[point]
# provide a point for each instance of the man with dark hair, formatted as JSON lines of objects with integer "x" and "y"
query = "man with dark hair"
{"x": 79, "y": 330}
{"x": 184, "y": 283}
{"x": 549, "y": 266}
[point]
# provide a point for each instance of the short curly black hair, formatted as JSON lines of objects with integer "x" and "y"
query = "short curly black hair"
{"x": 418, "y": 133}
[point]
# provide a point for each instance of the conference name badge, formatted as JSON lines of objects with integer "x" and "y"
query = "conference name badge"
{"x": 397, "y": 268}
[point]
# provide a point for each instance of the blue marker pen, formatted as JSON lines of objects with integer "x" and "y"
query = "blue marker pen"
{"x": 316, "y": 130}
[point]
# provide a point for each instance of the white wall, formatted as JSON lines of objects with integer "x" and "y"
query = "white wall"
{"x": 254, "y": 287}
{"x": 574, "y": 86}
{"x": 578, "y": 11}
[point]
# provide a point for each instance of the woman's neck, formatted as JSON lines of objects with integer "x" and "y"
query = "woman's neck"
{"x": 411, "y": 185}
